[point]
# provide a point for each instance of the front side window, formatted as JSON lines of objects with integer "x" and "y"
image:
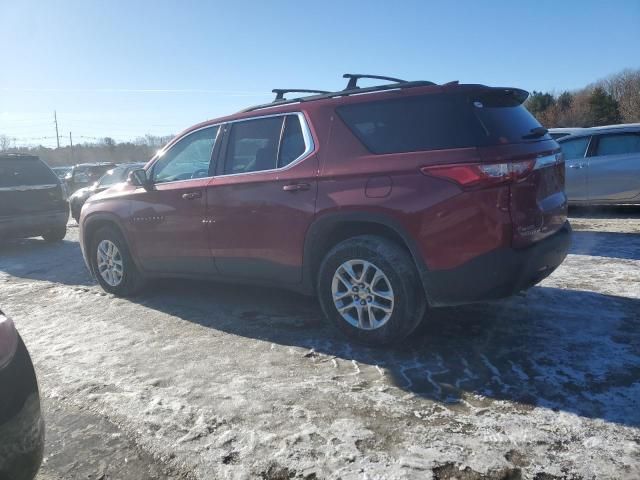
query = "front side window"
{"x": 620, "y": 144}
{"x": 575, "y": 148}
{"x": 187, "y": 159}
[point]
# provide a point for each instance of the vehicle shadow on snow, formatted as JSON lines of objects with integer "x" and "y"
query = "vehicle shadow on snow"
{"x": 35, "y": 259}
{"x": 606, "y": 244}
{"x": 567, "y": 350}
{"x": 605, "y": 212}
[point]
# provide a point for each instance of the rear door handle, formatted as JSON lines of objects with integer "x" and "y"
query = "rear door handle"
{"x": 191, "y": 195}
{"x": 296, "y": 187}
{"x": 577, "y": 165}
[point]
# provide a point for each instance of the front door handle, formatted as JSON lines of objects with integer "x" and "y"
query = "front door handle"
{"x": 296, "y": 187}
{"x": 577, "y": 165}
{"x": 191, "y": 195}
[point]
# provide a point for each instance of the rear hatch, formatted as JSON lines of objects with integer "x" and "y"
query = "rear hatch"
{"x": 513, "y": 137}
{"x": 28, "y": 186}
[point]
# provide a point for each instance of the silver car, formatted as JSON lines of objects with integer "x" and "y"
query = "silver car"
{"x": 603, "y": 165}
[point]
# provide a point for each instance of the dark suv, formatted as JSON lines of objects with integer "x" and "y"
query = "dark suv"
{"x": 382, "y": 201}
{"x": 32, "y": 200}
{"x": 85, "y": 174}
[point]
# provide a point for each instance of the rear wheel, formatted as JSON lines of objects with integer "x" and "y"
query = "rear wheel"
{"x": 369, "y": 288}
{"x": 112, "y": 263}
{"x": 55, "y": 234}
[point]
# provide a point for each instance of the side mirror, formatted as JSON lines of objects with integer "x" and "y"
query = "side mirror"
{"x": 138, "y": 177}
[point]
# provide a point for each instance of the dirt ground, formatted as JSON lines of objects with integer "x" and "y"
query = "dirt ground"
{"x": 195, "y": 380}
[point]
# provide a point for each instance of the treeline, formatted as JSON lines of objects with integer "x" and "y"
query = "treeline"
{"x": 106, "y": 150}
{"x": 615, "y": 99}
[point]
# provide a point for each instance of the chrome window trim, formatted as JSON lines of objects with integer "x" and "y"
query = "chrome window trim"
{"x": 306, "y": 135}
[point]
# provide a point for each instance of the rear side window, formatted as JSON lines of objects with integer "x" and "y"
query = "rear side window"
{"x": 292, "y": 144}
{"x": 620, "y": 144}
{"x": 16, "y": 172}
{"x": 576, "y": 148}
{"x": 435, "y": 122}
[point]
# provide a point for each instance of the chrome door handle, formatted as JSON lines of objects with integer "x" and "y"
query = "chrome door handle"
{"x": 191, "y": 195}
{"x": 577, "y": 165}
{"x": 296, "y": 187}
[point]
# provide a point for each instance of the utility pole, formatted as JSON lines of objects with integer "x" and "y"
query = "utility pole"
{"x": 55, "y": 120}
{"x": 71, "y": 143}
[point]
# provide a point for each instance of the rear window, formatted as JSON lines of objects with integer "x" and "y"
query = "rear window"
{"x": 16, "y": 172}
{"x": 436, "y": 122}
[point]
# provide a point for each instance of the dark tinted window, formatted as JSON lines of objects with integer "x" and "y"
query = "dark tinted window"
{"x": 620, "y": 144}
{"x": 434, "y": 122}
{"x": 25, "y": 171}
{"x": 575, "y": 148}
{"x": 292, "y": 145}
{"x": 253, "y": 145}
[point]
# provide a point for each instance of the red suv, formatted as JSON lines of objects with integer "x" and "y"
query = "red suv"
{"x": 383, "y": 201}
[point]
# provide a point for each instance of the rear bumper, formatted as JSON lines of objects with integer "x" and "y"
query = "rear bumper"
{"x": 21, "y": 423}
{"x": 499, "y": 273}
{"x": 31, "y": 225}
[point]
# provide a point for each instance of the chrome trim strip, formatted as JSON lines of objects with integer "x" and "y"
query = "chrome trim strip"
{"x": 24, "y": 188}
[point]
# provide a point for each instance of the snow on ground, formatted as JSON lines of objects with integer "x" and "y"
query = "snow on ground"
{"x": 215, "y": 381}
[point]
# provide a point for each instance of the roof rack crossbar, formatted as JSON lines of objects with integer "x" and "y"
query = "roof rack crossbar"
{"x": 281, "y": 91}
{"x": 342, "y": 93}
{"x": 354, "y": 77}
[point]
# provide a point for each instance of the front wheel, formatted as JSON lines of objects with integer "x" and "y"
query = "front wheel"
{"x": 369, "y": 288}
{"x": 112, "y": 263}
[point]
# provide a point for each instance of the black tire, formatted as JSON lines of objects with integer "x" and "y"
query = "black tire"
{"x": 55, "y": 234}
{"x": 131, "y": 281}
{"x": 409, "y": 300}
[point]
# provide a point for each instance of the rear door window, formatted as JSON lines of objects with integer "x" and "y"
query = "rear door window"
{"x": 576, "y": 148}
{"x": 253, "y": 145}
{"x": 620, "y": 144}
{"x": 15, "y": 172}
{"x": 292, "y": 145}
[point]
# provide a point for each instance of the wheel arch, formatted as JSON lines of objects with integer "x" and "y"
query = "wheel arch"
{"x": 331, "y": 229}
{"x": 95, "y": 222}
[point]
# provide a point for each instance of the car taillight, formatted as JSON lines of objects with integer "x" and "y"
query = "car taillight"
{"x": 470, "y": 175}
{"x": 8, "y": 340}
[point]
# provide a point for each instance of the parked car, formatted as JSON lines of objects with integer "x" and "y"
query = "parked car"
{"x": 85, "y": 174}
{"x": 112, "y": 177}
{"x": 381, "y": 200}
{"x": 61, "y": 172}
{"x": 557, "y": 133}
{"x": 21, "y": 423}
{"x": 603, "y": 165}
{"x": 32, "y": 200}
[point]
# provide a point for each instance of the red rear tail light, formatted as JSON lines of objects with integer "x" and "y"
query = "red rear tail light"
{"x": 481, "y": 174}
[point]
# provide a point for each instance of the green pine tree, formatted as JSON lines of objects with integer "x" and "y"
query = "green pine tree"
{"x": 603, "y": 108}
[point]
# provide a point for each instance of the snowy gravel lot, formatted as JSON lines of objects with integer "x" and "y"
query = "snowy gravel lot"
{"x": 206, "y": 381}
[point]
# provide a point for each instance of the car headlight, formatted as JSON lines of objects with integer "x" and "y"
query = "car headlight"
{"x": 8, "y": 340}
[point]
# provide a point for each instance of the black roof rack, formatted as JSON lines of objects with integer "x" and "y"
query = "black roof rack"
{"x": 281, "y": 91}
{"x": 354, "y": 77}
{"x": 399, "y": 84}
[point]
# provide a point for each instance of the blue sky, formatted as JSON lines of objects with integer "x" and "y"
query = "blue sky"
{"x": 126, "y": 68}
